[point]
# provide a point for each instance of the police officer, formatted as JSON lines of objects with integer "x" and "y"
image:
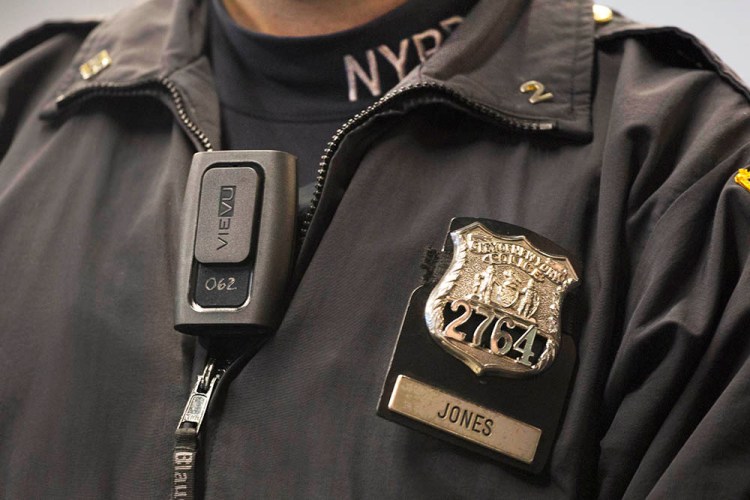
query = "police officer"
{"x": 622, "y": 147}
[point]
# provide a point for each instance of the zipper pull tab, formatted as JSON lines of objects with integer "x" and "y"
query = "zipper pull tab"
{"x": 186, "y": 435}
{"x": 195, "y": 409}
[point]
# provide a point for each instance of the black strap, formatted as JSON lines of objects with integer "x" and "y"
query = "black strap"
{"x": 223, "y": 354}
{"x": 434, "y": 264}
{"x": 184, "y": 460}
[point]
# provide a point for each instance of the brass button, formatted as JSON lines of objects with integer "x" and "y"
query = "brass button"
{"x": 95, "y": 65}
{"x": 602, "y": 13}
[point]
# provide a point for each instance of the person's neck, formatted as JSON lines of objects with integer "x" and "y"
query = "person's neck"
{"x": 306, "y": 17}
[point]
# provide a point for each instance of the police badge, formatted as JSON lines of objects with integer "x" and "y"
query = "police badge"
{"x": 495, "y": 307}
{"x": 513, "y": 287}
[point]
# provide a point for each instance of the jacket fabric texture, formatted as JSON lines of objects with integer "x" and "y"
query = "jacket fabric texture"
{"x": 631, "y": 167}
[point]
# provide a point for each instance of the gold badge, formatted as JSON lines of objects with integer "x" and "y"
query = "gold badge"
{"x": 497, "y": 307}
{"x": 743, "y": 178}
{"x": 95, "y": 65}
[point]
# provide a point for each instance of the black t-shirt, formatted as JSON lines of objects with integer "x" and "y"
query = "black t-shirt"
{"x": 292, "y": 93}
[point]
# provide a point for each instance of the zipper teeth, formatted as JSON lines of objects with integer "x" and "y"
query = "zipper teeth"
{"x": 359, "y": 118}
{"x": 151, "y": 87}
{"x": 180, "y": 107}
{"x": 142, "y": 88}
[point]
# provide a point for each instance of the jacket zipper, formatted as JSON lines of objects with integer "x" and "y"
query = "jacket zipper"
{"x": 191, "y": 126}
{"x": 185, "y": 456}
{"x": 152, "y": 87}
{"x": 440, "y": 90}
{"x": 200, "y": 397}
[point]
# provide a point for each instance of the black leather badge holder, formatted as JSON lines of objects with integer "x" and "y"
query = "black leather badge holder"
{"x": 481, "y": 360}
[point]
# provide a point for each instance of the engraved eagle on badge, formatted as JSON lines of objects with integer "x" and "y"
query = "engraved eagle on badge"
{"x": 497, "y": 307}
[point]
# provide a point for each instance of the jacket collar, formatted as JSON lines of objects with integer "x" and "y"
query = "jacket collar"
{"x": 501, "y": 45}
{"x": 147, "y": 43}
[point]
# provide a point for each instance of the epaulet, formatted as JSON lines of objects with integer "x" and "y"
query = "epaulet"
{"x": 38, "y": 34}
{"x": 676, "y": 45}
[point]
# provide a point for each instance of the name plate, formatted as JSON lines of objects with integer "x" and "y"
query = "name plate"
{"x": 464, "y": 419}
{"x": 482, "y": 360}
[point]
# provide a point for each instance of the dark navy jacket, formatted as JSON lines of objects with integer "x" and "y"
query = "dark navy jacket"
{"x": 631, "y": 167}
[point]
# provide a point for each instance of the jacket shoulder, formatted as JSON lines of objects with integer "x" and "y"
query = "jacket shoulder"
{"x": 674, "y": 45}
{"x": 41, "y": 33}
